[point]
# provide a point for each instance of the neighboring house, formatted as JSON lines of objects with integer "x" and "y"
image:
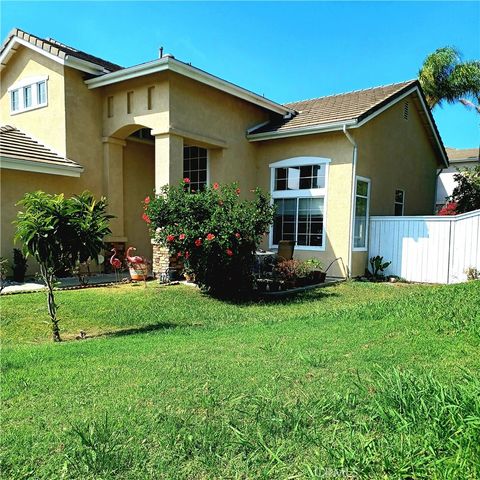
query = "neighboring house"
{"x": 85, "y": 123}
{"x": 458, "y": 158}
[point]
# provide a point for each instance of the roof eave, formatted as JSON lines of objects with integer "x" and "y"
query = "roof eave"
{"x": 52, "y": 168}
{"x": 171, "y": 64}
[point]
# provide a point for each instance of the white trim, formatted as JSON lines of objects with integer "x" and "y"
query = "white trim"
{"x": 169, "y": 63}
{"x": 298, "y": 194}
{"x": 26, "y": 81}
{"x": 36, "y": 167}
{"x": 69, "y": 60}
{"x": 299, "y": 162}
{"x": 334, "y": 126}
{"x": 367, "y": 225}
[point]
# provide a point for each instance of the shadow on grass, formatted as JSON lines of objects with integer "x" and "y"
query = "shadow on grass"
{"x": 287, "y": 298}
{"x": 144, "y": 329}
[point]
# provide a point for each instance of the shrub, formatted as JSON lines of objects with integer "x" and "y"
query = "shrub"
{"x": 60, "y": 232}
{"x": 213, "y": 231}
{"x": 19, "y": 265}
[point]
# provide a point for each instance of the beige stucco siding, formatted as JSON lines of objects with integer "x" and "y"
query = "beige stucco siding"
{"x": 336, "y": 147}
{"x": 138, "y": 182}
{"x": 45, "y": 123}
{"x": 396, "y": 154}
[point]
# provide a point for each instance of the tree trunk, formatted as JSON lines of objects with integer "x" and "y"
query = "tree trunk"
{"x": 52, "y": 307}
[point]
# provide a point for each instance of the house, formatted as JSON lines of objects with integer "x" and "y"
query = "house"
{"x": 73, "y": 121}
{"x": 458, "y": 159}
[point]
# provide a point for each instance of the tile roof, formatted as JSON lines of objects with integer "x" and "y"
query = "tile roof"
{"x": 457, "y": 154}
{"x": 15, "y": 144}
{"x": 337, "y": 108}
{"x": 60, "y": 50}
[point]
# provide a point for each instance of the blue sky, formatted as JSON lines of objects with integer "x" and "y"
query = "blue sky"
{"x": 286, "y": 51}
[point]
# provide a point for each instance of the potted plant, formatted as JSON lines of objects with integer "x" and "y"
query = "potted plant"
{"x": 19, "y": 266}
{"x": 314, "y": 268}
{"x": 289, "y": 271}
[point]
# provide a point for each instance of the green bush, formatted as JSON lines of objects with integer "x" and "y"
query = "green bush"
{"x": 213, "y": 231}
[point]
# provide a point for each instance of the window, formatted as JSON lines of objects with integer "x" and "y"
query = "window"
{"x": 42, "y": 93}
{"x": 298, "y": 191}
{"x": 15, "y": 105}
{"x": 399, "y": 202}
{"x": 28, "y": 94}
{"x": 362, "y": 205}
{"x": 195, "y": 166}
{"x": 27, "y": 97}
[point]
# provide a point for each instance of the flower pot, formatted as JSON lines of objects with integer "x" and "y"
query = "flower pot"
{"x": 317, "y": 276}
{"x": 138, "y": 271}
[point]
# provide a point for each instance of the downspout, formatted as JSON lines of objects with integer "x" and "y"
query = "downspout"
{"x": 436, "y": 191}
{"x": 352, "y": 203}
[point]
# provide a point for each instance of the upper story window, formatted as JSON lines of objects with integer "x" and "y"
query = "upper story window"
{"x": 195, "y": 166}
{"x": 298, "y": 187}
{"x": 399, "y": 202}
{"x": 28, "y": 94}
{"x": 362, "y": 209}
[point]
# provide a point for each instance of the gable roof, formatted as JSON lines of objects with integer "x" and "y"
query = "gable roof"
{"x": 19, "y": 151}
{"x": 347, "y": 110}
{"x": 463, "y": 154}
{"x": 56, "y": 50}
{"x": 354, "y": 105}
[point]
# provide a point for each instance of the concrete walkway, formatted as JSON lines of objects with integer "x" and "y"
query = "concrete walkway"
{"x": 67, "y": 282}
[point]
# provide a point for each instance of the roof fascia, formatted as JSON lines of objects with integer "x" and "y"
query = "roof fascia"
{"x": 168, "y": 63}
{"x": 70, "y": 61}
{"x": 36, "y": 167}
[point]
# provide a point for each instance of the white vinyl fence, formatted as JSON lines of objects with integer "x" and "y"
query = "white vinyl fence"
{"x": 431, "y": 249}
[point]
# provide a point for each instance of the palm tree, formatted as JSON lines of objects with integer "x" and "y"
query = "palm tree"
{"x": 445, "y": 77}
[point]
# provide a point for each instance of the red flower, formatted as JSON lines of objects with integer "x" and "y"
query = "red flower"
{"x": 179, "y": 254}
{"x": 229, "y": 252}
{"x": 147, "y": 200}
{"x": 187, "y": 254}
{"x": 210, "y": 236}
{"x": 237, "y": 235}
{"x": 186, "y": 180}
{"x": 181, "y": 236}
{"x": 170, "y": 238}
{"x": 146, "y": 218}
{"x": 237, "y": 191}
{"x": 448, "y": 209}
{"x": 198, "y": 242}
{"x": 216, "y": 186}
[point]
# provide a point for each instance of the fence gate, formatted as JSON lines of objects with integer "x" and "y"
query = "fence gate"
{"x": 432, "y": 249}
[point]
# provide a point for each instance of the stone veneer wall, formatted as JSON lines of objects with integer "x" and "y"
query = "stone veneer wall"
{"x": 162, "y": 261}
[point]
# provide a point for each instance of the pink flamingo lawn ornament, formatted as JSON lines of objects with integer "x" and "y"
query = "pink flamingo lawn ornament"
{"x": 116, "y": 264}
{"x": 138, "y": 266}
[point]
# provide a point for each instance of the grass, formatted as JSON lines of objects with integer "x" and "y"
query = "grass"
{"x": 355, "y": 381}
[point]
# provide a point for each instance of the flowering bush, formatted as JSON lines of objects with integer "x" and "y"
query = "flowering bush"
{"x": 213, "y": 231}
{"x": 448, "y": 209}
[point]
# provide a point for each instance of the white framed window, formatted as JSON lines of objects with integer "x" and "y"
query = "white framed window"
{"x": 299, "y": 189}
{"x": 361, "y": 214}
{"x": 399, "y": 203}
{"x": 28, "y": 94}
{"x": 195, "y": 166}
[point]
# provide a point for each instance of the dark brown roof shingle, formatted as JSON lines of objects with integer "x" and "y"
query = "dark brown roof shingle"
{"x": 60, "y": 50}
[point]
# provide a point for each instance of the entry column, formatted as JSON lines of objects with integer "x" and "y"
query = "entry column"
{"x": 113, "y": 185}
{"x": 168, "y": 159}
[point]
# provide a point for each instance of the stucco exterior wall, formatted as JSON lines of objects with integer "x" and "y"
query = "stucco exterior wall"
{"x": 138, "y": 182}
{"x": 396, "y": 154}
{"x": 45, "y": 123}
{"x": 336, "y": 147}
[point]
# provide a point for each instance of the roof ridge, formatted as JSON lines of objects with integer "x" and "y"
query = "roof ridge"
{"x": 406, "y": 82}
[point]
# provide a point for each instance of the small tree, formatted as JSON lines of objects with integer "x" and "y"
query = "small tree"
{"x": 466, "y": 194}
{"x": 59, "y": 232}
{"x": 213, "y": 231}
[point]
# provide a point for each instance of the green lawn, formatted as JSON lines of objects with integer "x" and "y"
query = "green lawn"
{"x": 356, "y": 380}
